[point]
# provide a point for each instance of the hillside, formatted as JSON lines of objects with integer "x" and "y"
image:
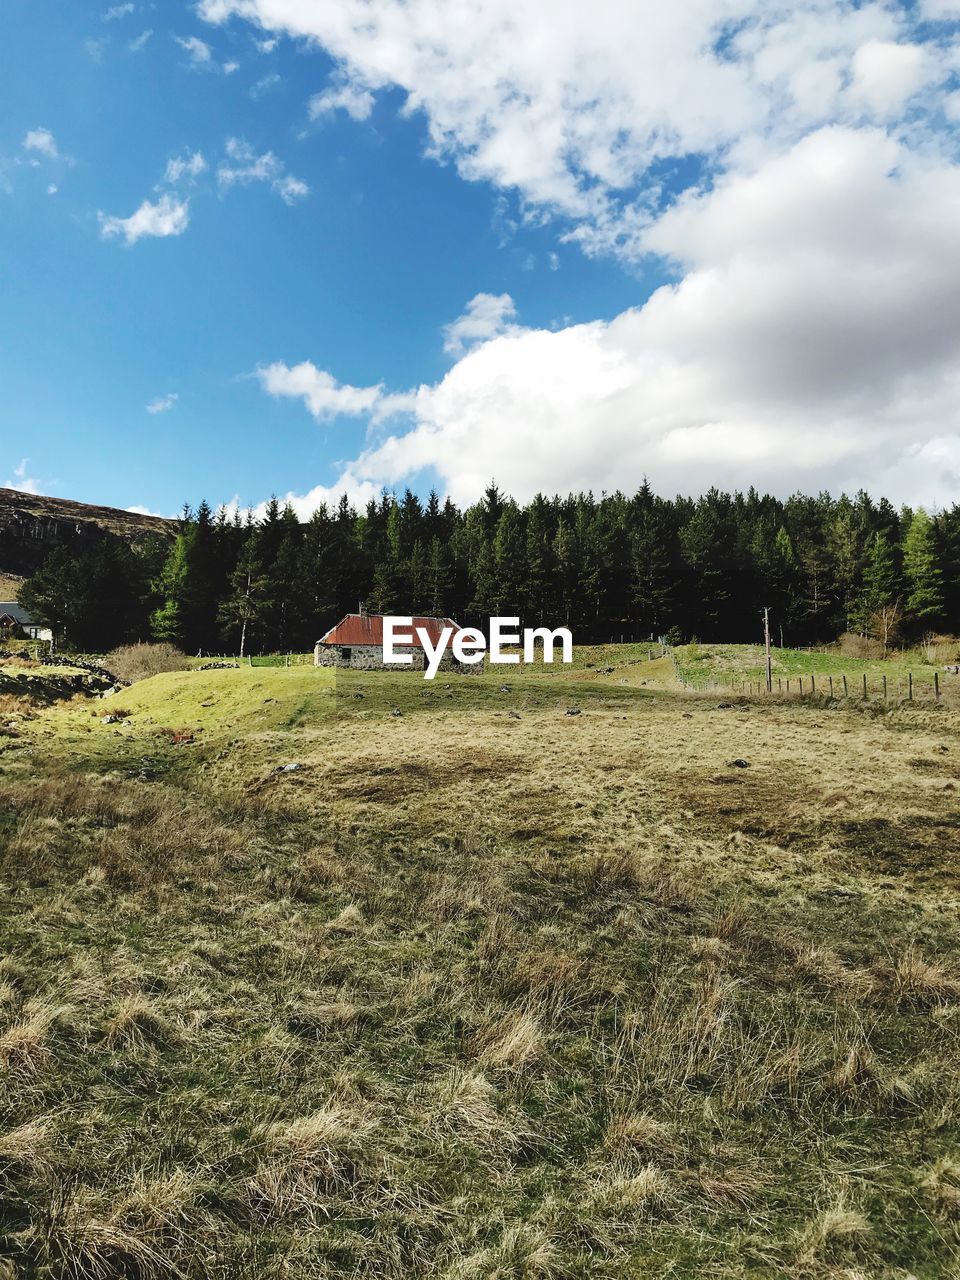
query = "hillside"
{"x": 31, "y": 525}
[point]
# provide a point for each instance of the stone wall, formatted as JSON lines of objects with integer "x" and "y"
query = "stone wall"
{"x": 369, "y": 657}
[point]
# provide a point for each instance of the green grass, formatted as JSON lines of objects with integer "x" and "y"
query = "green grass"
{"x": 479, "y": 990}
{"x": 731, "y": 664}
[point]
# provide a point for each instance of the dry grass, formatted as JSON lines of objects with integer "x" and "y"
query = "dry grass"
{"x": 470, "y": 995}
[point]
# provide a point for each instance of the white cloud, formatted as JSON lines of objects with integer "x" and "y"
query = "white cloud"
{"x": 230, "y": 67}
{"x": 291, "y": 189}
{"x": 244, "y": 166}
{"x": 190, "y": 165}
{"x": 352, "y": 97}
{"x": 813, "y": 340}
{"x": 787, "y": 162}
{"x": 118, "y": 11}
{"x": 266, "y": 46}
{"x": 200, "y": 52}
{"x": 886, "y": 75}
{"x": 327, "y": 398}
{"x": 163, "y": 403}
{"x": 264, "y": 85}
{"x": 941, "y": 10}
{"x": 137, "y": 44}
{"x": 575, "y": 106}
{"x": 486, "y": 316}
{"x": 168, "y": 216}
{"x": 21, "y": 481}
{"x": 52, "y": 189}
{"x": 43, "y": 142}
{"x": 139, "y": 510}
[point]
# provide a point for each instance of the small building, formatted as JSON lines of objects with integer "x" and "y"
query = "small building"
{"x": 16, "y": 622}
{"x": 356, "y": 642}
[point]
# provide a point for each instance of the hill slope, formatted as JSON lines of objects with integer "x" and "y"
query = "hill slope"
{"x": 31, "y": 525}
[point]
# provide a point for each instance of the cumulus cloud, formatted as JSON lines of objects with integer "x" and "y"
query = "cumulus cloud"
{"x": 167, "y": 216}
{"x": 243, "y": 166}
{"x": 327, "y": 398}
{"x": 22, "y": 482}
{"x": 190, "y": 165}
{"x": 162, "y": 404}
{"x": 291, "y": 189}
{"x": 42, "y": 142}
{"x": 140, "y": 41}
{"x": 201, "y": 55}
{"x": 813, "y": 340}
{"x": 353, "y": 98}
{"x": 118, "y": 11}
{"x": 138, "y": 510}
{"x": 886, "y": 75}
{"x": 486, "y": 315}
{"x": 787, "y": 164}
{"x": 576, "y": 107}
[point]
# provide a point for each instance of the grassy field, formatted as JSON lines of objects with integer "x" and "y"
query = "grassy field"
{"x": 732, "y": 663}
{"x": 308, "y": 974}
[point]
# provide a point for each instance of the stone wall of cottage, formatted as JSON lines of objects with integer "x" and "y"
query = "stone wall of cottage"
{"x": 369, "y": 657}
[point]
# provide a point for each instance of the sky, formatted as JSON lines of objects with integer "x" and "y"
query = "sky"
{"x": 307, "y": 247}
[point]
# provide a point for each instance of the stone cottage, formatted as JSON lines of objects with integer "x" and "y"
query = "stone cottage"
{"x": 357, "y": 642}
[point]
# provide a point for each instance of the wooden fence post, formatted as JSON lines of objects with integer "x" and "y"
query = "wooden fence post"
{"x": 936, "y": 686}
{"x": 813, "y": 684}
{"x": 910, "y": 685}
{"x": 845, "y": 692}
{"x": 830, "y": 678}
{"x": 864, "y": 684}
{"x": 884, "y": 686}
{"x": 801, "y": 685}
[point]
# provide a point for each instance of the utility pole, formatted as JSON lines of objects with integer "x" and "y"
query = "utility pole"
{"x": 766, "y": 640}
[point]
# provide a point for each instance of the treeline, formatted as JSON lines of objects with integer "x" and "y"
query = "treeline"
{"x": 606, "y": 567}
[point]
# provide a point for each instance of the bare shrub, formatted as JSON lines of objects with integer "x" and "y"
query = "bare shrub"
{"x": 140, "y": 661}
{"x": 939, "y": 650}
{"x": 853, "y": 646}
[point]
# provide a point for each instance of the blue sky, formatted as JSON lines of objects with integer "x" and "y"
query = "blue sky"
{"x": 360, "y": 275}
{"x": 662, "y": 235}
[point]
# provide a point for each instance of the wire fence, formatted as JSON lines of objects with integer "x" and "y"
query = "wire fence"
{"x": 902, "y": 688}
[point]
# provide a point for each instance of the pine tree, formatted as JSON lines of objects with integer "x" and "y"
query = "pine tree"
{"x": 924, "y": 604}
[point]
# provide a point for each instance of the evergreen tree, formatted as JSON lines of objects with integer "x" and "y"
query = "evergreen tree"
{"x": 924, "y": 604}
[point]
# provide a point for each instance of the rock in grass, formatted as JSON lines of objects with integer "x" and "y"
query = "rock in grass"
{"x": 574, "y": 711}
{"x": 739, "y": 763}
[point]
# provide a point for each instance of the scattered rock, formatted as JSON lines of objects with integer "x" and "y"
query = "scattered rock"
{"x": 514, "y": 715}
{"x": 396, "y": 712}
{"x": 218, "y": 666}
{"x": 724, "y": 706}
{"x": 739, "y": 763}
{"x": 287, "y": 768}
{"x": 358, "y": 694}
{"x": 574, "y": 711}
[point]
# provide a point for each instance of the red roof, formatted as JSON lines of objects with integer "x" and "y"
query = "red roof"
{"x": 367, "y": 628}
